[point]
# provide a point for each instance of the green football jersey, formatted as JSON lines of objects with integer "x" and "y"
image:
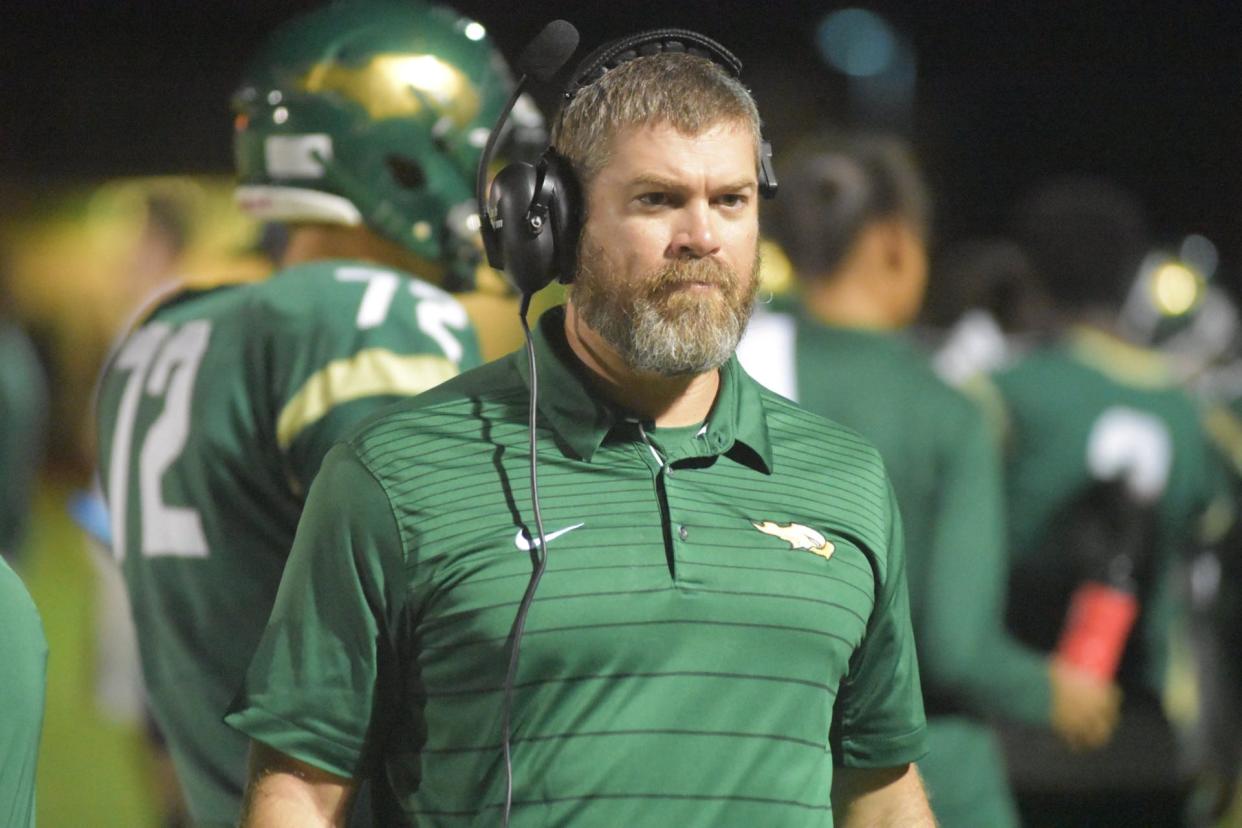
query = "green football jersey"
{"x": 723, "y": 616}
{"x": 23, "y": 652}
{"x": 213, "y": 418}
{"x": 946, "y": 475}
{"x": 1094, "y": 408}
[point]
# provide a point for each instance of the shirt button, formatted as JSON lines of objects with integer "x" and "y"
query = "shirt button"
{"x": 683, "y": 532}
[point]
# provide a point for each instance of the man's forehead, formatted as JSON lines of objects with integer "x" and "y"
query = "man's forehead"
{"x": 662, "y": 149}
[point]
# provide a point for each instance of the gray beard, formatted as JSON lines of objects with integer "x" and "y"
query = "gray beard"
{"x": 692, "y": 342}
{"x": 656, "y": 332}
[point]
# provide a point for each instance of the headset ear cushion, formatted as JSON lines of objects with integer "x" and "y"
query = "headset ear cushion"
{"x": 526, "y": 252}
{"x": 565, "y": 212}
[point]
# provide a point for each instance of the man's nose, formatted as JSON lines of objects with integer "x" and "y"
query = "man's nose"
{"x": 695, "y": 235}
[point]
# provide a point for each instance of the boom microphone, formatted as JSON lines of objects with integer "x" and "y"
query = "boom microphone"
{"x": 544, "y": 56}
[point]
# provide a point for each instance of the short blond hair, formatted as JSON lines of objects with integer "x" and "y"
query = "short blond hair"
{"x": 690, "y": 93}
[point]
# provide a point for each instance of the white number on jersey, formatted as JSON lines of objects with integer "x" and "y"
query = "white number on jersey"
{"x": 161, "y": 363}
{"x": 438, "y": 314}
{"x": 1133, "y": 446}
{"x": 377, "y": 298}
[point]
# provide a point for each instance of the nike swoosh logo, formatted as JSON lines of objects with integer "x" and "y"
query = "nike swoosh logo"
{"x": 526, "y": 544}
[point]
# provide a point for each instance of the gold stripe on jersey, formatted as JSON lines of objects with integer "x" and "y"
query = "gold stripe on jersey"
{"x": 371, "y": 372}
{"x": 1116, "y": 358}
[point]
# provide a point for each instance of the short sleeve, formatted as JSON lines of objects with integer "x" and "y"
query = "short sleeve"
{"x": 878, "y": 719}
{"x": 319, "y": 684}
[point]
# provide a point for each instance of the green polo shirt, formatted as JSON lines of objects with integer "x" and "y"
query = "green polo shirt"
{"x": 722, "y": 619}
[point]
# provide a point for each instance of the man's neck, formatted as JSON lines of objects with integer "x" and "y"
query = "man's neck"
{"x": 666, "y": 401}
{"x": 316, "y": 242}
{"x": 845, "y": 300}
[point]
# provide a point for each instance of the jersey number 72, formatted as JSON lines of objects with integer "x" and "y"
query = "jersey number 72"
{"x": 160, "y": 362}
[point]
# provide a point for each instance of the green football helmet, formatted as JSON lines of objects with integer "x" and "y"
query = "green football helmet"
{"x": 373, "y": 113}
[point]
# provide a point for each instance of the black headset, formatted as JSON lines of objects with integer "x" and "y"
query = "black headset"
{"x": 533, "y": 214}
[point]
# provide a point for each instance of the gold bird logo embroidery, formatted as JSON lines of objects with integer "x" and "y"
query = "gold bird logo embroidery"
{"x": 798, "y": 537}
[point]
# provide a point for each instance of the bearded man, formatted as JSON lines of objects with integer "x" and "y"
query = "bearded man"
{"x": 722, "y": 634}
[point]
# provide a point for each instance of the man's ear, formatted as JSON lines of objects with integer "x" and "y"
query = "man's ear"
{"x": 894, "y": 239}
{"x": 903, "y": 264}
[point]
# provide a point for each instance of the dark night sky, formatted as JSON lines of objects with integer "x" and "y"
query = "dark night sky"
{"x": 1006, "y": 92}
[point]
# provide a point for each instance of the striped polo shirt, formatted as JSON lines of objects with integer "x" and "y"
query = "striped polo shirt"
{"x": 723, "y": 617}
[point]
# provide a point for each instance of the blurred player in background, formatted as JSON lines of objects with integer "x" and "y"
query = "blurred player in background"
{"x": 987, "y": 309}
{"x": 23, "y": 425}
{"x": 23, "y": 647}
{"x": 1095, "y": 413}
{"x": 359, "y": 126}
{"x": 854, "y": 217}
{"x": 1209, "y": 333}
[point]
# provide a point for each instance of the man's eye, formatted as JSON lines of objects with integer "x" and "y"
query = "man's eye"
{"x": 653, "y": 199}
{"x": 732, "y": 199}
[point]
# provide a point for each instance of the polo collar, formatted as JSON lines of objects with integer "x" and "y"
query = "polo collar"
{"x": 736, "y": 425}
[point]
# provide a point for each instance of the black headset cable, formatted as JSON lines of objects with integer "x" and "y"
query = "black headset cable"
{"x": 541, "y": 563}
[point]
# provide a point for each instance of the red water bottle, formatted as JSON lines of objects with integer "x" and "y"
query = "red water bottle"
{"x": 1097, "y": 627}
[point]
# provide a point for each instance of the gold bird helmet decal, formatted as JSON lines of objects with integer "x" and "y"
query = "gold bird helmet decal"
{"x": 798, "y": 537}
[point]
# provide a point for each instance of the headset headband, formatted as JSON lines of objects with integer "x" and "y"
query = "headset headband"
{"x": 644, "y": 44}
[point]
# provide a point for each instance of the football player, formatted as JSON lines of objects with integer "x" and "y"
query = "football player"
{"x": 1096, "y": 407}
{"x": 359, "y": 126}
